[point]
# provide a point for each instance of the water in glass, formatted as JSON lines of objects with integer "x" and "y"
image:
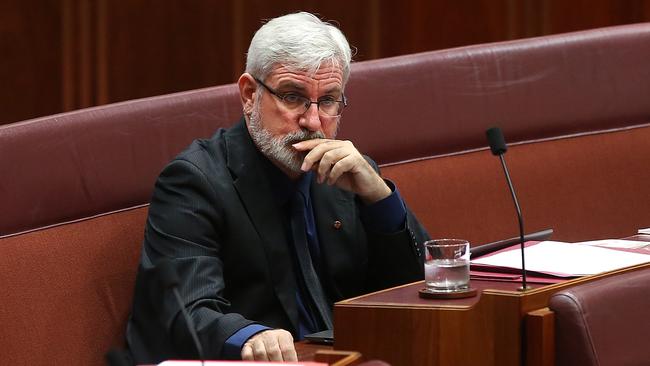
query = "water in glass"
{"x": 447, "y": 274}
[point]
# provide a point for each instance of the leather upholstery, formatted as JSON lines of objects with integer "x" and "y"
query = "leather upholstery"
{"x": 106, "y": 158}
{"x": 92, "y": 161}
{"x": 67, "y": 290}
{"x": 442, "y": 102}
{"x": 588, "y": 187}
{"x": 604, "y": 322}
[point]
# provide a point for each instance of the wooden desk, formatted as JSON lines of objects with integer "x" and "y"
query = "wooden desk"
{"x": 397, "y": 326}
{"x": 322, "y": 353}
{"x": 307, "y": 351}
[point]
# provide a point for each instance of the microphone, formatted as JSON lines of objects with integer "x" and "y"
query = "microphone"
{"x": 498, "y": 146}
{"x": 170, "y": 280}
{"x": 118, "y": 357}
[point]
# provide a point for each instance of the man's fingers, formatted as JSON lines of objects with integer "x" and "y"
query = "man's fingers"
{"x": 329, "y": 159}
{"x": 339, "y": 162}
{"x": 288, "y": 348}
{"x": 247, "y": 352}
{"x": 272, "y": 347}
{"x": 328, "y": 151}
{"x": 315, "y": 154}
{"x": 308, "y": 144}
{"x": 259, "y": 350}
{"x": 342, "y": 166}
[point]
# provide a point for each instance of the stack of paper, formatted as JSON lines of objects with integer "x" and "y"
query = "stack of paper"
{"x": 562, "y": 259}
{"x": 237, "y": 363}
{"x": 620, "y": 244}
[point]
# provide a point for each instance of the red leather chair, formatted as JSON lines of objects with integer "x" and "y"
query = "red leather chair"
{"x": 604, "y": 322}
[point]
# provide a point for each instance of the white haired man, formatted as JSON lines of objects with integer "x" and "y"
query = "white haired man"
{"x": 270, "y": 222}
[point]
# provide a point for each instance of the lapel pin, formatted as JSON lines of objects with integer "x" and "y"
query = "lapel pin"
{"x": 337, "y": 224}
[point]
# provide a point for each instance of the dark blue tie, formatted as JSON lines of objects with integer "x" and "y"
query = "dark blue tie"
{"x": 303, "y": 229}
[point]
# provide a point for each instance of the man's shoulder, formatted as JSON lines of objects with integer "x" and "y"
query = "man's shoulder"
{"x": 204, "y": 150}
{"x": 212, "y": 155}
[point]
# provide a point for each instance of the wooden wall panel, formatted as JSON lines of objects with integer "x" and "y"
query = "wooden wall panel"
{"x": 566, "y": 16}
{"x": 358, "y": 19}
{"x": 30, "y": 59}
{"x": 161, "y": 46}
{"x": 69, "y": 54}
{"x": 78, "y": 39}
{"x": 427, "y": 25}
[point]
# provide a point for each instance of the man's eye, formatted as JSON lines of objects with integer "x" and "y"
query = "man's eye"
{"x": 329, "y": 98}
{"x": 293, "y": 98}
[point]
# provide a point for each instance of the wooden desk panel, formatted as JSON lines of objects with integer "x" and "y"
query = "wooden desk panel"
{"x": 396, "y": 326}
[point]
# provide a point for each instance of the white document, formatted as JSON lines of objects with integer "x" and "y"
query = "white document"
{"x": 237, "y": 363}
{"x": 617, "y": 243}
{"x": 644, "y": 231}
{"x": 566, "y": 259}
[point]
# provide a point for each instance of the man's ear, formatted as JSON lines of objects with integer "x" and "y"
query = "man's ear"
{"x": 247, "y": 87}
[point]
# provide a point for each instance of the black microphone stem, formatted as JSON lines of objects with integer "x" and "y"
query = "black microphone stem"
{"x": 190, "y": 325}
{"x": 521, "y": 222}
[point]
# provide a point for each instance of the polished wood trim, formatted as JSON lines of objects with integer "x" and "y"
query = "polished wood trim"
{"x": 540, "y": 338}
{"x": 307, "y": 351}
{"x": 338, "y": 358}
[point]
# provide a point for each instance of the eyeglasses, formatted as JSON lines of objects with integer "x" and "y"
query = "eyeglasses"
{"x": 299, "y": 104}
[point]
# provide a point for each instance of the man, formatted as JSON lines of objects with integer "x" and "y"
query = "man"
{"x": 270, "y": 222}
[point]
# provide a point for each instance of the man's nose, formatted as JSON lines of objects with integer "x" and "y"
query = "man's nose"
{"x": 311, "y": 118}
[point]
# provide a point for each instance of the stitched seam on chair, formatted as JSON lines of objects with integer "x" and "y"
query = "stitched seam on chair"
{"x": 575, "y": 301}
{"x": 561, "y": 137}
{"x": 73, "y": 221}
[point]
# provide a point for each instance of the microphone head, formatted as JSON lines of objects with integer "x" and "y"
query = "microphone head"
{"x": 168, "y": 274}
{"x": 496, "y": 140}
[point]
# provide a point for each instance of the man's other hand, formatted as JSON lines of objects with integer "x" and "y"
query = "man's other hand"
{"x": 270, "y": 345}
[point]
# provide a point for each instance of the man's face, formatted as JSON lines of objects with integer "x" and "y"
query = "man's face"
{"x": 274, "y": 127}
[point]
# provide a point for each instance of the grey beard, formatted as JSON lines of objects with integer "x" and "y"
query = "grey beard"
{"x": 279, "y": 149}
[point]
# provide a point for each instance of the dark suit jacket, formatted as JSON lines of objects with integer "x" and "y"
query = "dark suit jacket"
{"x": 214, "y": 215}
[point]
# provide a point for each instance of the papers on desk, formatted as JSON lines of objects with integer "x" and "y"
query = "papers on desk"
{"x": 563, "y": 259}
{"x": 237, "y": 363}
{"x": 644, "y": 231}
{"x": 620, "y": 244}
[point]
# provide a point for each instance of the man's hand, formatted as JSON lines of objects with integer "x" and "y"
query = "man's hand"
{"x": 270, "y": 345}
{"x": 340, "y": 163}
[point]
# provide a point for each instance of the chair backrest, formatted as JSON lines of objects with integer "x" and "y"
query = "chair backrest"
{"x": 93, "y": 161}
{"x": 604, "y": 322}
{"x": 408, "y": 108}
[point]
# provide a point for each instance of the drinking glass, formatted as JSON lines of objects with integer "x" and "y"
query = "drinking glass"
{"x": 446, "y": 267}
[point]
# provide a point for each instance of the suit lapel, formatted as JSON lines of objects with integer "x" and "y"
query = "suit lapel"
{"x": 255, "y": 193}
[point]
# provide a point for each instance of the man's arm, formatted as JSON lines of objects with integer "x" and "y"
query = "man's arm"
{"x": 184, "y": 224}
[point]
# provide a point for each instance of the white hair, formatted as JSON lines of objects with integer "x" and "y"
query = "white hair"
{"x": 299, "y": 42}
